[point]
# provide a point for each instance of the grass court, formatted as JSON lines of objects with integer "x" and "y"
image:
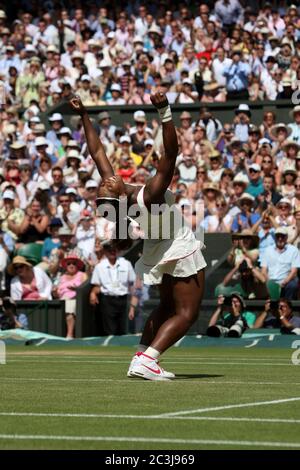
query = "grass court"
{"x": 70, "y": 397}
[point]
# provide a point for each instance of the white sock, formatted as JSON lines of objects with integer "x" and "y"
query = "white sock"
{"x": 141, "y": 348}
{"x": 152, "y": 352}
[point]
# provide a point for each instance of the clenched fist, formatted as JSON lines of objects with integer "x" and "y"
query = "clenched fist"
{"x": 76, "y": 104}
{"x": 159, "y": 100}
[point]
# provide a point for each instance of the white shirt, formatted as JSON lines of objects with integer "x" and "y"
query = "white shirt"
{"x": 218, "y": 69}
{"x": 43, "y": 284}
{"x": 113, "y": 279}
{"x": 85, "y": 240}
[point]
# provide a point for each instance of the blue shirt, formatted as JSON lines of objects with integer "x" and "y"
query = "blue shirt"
{"x": 48, "y": 246}
{"x": 229, "y": 13}
{"x": 244, "y": 221}
{"x": 237, "y": 76}
{"x": 265, "y": 240}
{"x": 280, "y": 263}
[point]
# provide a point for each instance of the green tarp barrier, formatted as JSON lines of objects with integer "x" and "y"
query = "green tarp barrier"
{"x": 266, "y": 338}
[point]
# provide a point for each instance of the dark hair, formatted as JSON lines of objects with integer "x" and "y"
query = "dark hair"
{"x": 287, "y": 302}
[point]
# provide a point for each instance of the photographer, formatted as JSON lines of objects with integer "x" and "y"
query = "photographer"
{"x": 8, "y": 315}
{"x": 230, "y": 318}
{"x": 279, "y": 314}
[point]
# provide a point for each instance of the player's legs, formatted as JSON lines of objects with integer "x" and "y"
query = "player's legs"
{"x": 165, "y": 310}
{"x": 187, "y": 295}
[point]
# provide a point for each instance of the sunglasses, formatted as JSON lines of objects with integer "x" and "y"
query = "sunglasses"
{"x": 267, "y": 161}
{"x": 71, "y": 263}
{"x": 297, "y": 186}
{"x": 19, "y": 266}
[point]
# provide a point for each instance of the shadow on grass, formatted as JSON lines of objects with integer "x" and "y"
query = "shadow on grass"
{"x": 196, "y": 376}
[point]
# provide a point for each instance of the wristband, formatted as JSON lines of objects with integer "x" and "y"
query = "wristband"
{"x": 165, "y": 114}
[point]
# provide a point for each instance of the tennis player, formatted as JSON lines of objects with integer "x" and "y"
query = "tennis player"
{"x": 173, "y": 262}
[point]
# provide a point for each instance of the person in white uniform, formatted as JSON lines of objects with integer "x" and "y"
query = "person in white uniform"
{"x": 173, "y": 262}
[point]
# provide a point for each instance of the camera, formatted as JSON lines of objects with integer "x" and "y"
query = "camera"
{"x": 227, "y": 301}
{"x": 216, "y": 331}
{"x": 243, "y": 267}
{"x": 274, "y": 305}
{"x": 237, "y": 329}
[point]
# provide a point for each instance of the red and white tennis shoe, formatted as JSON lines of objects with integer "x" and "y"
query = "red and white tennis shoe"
{"x": 145, "y": 367}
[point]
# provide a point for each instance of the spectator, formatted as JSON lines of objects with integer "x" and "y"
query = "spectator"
{"x": 34, "y": 225}
{"x": 280, "y": 264}
{"x": 51, "y": 242}
{"x": 237, "y": 77}
{"x": 112, "y": 281}
{"x": 279, "y": 314}
{"x": 230, "y": 318}
{"x": 246, "y": 218}
{"x": 9, "y": 319}
{"x": 65, "y": 290}
{"x": 28, "y": 282}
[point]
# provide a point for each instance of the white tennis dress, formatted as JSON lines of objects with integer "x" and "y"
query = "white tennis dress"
{"x": 178, "y": 255}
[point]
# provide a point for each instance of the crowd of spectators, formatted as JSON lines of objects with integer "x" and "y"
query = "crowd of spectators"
{"x": 247, "y": 175}
{"x": 114, "y": 53}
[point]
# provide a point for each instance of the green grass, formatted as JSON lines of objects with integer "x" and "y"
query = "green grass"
{"x": 92, "y": 381}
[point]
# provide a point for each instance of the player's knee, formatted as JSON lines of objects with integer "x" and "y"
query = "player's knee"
{"x": 188, "y": 315}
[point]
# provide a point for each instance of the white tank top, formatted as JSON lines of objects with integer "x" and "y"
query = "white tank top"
{"x": 167, "y": 237}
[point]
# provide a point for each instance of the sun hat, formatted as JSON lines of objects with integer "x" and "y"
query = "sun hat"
{"x": 17, "y": 260}
{"x": 73, "y": 256}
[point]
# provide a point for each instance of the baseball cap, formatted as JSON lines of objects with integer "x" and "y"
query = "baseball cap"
{"x": 103, "y": 115}
{"x": 91, "y": 184}
{"x": 56, "y": 117}
{"x": 255, "y": 166}
{"x": 139, "y": 116}
{"x": 71, "y": 191}
{"x": 149, "y": 142}
{"x": 65, "y": 130}
{"x": 40, "y": 141}
{"x": 125, "y": 138}
{"x": 85, "y": 78}
{"x": 116, "y": 87}
{"x": 281, "y": 231}
{"x": 8, "y": 194}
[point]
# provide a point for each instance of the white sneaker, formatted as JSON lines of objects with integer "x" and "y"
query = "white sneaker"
{"x": 146, "y": 367}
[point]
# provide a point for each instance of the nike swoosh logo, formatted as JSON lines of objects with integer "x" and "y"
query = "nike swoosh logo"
{"x": 155, "y": 371}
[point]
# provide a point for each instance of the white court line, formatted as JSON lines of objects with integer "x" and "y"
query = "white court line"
{"x": 248, "y": 363}
{"x": 42, "y": 355}
{"x": 228, "y": 407}
{"x": 146, "y": 417}
{"x": 206, "y": 382}
{"x": 149, "y": 439}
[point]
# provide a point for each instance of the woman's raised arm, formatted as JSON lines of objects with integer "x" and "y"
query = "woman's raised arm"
{"x": 95, "y": 145}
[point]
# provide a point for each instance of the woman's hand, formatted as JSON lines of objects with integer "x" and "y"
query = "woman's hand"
{"x": 76, "y": 104}
{"x": 159, "y": 100}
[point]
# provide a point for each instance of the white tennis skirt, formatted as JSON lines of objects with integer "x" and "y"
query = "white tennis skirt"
{"x": 182, "y": 267}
